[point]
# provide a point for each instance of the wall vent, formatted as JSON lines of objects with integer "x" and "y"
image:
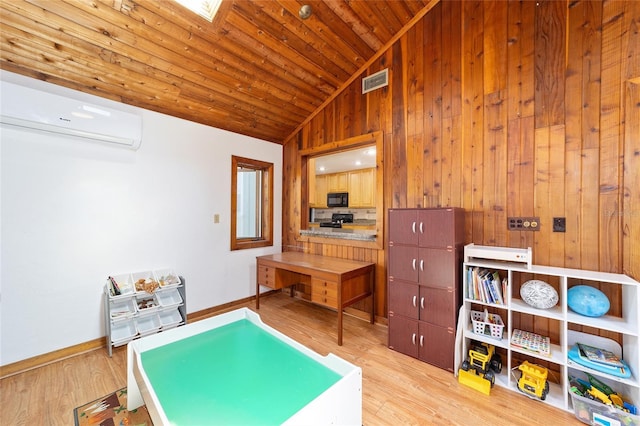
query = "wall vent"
{"x": 375, "y": 81}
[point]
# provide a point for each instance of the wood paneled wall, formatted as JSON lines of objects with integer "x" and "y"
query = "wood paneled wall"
{"x": 504, "y": 108}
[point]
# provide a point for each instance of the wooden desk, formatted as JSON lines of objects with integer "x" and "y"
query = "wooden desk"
{"x": 335, "y": 283}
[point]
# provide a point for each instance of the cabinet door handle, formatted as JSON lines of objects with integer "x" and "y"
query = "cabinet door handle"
{"x": 413, "y": 338}
{"x": 421, "y": 340}
{"x": 413, "y": 227}
{"x": 421, "y": 228}
{"x": 422, "y": 302}
{"x": 413, "y": 264}
{"x": 422, "y": 264}
{"x": 414, "y": 301}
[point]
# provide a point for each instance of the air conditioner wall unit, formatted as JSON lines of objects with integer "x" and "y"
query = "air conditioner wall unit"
{"x": 34, "y": 109}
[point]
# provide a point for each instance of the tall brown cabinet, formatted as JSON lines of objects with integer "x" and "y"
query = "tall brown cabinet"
{"x": 424, "y": 266}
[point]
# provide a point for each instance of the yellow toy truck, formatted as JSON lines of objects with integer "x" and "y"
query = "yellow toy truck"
{"x": 485, "y": 364}
{"x": 533, "y": 380}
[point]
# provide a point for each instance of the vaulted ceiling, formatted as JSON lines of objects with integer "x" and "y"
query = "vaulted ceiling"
{"x": 258, "y": 69}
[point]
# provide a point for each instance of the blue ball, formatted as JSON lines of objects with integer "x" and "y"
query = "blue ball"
{"x": 587, "y": 301}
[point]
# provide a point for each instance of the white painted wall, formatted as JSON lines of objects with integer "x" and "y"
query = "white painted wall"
{"x": 73, "y": 212}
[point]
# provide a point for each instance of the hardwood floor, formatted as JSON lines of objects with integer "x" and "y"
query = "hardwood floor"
{"x": 397, "y": 389}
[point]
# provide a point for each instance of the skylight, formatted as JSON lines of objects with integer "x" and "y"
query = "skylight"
{"x": 205, "y": 8}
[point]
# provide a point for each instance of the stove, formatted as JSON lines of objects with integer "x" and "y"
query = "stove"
{"x": 337, "y": 219}
{"x": 330, "y": 225}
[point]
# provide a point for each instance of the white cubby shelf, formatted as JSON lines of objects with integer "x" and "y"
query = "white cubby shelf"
{"x": 562, "y": 321}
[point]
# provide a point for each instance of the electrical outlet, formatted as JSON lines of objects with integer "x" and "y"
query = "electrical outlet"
{"x": 523, "y": 223}
{"x": 559, "y": 224}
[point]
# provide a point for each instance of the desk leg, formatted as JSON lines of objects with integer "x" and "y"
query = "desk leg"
{"x": 257, "y": 295}
{"x": 340, "y": 325}
{"x": 372, "y": 288}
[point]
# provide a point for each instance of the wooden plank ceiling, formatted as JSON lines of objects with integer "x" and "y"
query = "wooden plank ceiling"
{"x": 258, "y": 69}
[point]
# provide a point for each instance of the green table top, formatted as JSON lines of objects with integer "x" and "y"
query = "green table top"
{"x": 237, "y": 374}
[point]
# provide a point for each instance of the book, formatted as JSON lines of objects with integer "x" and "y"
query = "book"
{"x": 576, "y": 356}
{"x": 485, "y": 286}
{"x": 531, "y": 342}
{"x": 477, "y": 287}
{"x": 496, "y": 286}
{"x": 115, "y": 289}
{"x": 601, "y": 356}
{"x": 505, "y": 288}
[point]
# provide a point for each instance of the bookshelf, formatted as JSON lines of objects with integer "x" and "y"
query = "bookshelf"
{"x": 512, "y": 267}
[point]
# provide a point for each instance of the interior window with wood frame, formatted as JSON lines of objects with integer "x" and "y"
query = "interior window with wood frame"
{"x": 251, "y": 203}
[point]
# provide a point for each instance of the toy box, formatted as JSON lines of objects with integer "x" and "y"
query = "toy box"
{"x": 595, "y": 413}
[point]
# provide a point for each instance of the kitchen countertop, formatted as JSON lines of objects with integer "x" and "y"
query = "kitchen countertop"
{"x": 365, "y": 222}
{"x": 341, "y": 233}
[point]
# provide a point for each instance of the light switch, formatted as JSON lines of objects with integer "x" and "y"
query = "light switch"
{"x": 216, "y": 218}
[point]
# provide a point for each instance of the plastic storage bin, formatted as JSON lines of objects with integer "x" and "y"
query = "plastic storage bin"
{"x": 121, "y": 309}
{"x": 146, "y": 303}
{"x": 595, "y": 413}
{"x": 148, "y": 324}
{"x": 122, "y": 332}
{"x": 169, "y": 298}
{"x": 167, "y": 278}
{"x": 144, "y": 281}
{"x": 170, "y": 318}
{"x": 487, "y": 324}
{"x": 125, "y": 284}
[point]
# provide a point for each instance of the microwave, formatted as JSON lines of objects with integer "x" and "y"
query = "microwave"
{"x": 338, "y": 199}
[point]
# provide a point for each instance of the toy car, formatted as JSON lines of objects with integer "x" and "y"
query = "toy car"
{"x": 533, "y": 380}
{"x": 484, "y": 360}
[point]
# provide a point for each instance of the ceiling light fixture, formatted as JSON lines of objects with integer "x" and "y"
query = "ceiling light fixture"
{"x": 305, "y": 11}
{"x": 205, "y": 8}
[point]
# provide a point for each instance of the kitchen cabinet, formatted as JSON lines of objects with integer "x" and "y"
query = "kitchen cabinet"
{"x": 320, "y": 191}
{"x": 360, "y": 184}
{"x": 362, "y": 188}
{"x": 311, "y": 182}
{"x": 368, "y": 188}
{"x": 355, "y": 188}
{"x": 560, "y": 321}
{"x": 134, "y": 313}
{"x": 338, "y": 182}
{"x": 424, "y": 264}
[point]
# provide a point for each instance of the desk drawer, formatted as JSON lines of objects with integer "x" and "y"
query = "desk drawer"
{"x": 267, "y": 276}
{"x": 324, "y": 292}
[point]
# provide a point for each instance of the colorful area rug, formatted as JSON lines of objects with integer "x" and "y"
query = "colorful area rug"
{"x": 111, "y": 410}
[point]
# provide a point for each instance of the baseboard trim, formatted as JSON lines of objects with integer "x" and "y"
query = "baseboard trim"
{"x": 101, "y": 342}
{"x": 51, "y": 357}
{"x": 209, "y": 312}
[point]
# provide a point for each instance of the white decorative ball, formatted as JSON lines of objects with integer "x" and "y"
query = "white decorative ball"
{"x": 539, "y": 294}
